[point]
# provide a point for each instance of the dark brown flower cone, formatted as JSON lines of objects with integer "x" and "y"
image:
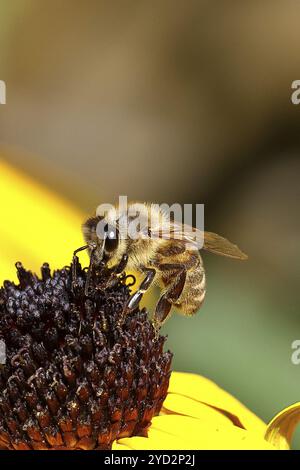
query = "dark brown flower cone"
{"x": 73, "y": 378}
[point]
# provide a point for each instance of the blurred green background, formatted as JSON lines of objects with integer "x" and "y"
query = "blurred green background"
{"x": 188, "y": 102}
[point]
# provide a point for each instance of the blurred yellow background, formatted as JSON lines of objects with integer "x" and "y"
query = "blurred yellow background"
{"x": 168, "y": 101}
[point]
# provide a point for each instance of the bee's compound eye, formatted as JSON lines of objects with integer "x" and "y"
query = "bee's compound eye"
{"x": 111, "y": 238}
{"x": 101, "y": 230}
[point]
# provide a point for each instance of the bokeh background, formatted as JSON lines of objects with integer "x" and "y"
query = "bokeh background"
{"x": 186, "y": 101}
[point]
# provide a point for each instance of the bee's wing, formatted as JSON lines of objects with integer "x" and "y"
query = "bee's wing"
{"x": 221, "y": 246}
{"x": 199, "y": 239}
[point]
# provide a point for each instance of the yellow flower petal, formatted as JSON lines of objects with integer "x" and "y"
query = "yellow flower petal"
{"x": 189, "y": 407}
{"x": 117, "y": 446}
{"x": 206, "y": 391}
{"x": 281, "y": 429}
{"x": 171, "y": 432}
{"x": 37, "y": 225}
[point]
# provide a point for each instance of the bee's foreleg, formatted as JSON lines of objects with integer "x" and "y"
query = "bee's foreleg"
{"x": 75, "y": 263}
{"x": 174, "y": 277}
{"x": 135, "y": 299}
{"x": 119, "y": 268}
{"x": 116, "y": 271}
{"x": 89, "y": 272}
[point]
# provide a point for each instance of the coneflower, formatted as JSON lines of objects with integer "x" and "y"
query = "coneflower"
{"x": 73, "y": 378}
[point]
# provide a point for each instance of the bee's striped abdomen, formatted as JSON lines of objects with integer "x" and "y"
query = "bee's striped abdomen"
{"x": 194, "y": 290}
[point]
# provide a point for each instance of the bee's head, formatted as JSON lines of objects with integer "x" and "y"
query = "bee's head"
{"x": 102, "y": 235}
{"x": 109, "y": 233}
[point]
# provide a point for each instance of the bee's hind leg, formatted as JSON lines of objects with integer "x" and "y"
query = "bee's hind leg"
{"x": 135, "y": 299}
{"x": 171, "y": 295}
{"x": 162, "y": 312}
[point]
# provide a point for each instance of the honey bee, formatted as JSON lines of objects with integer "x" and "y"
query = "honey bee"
{"x": 166, "y": 252}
